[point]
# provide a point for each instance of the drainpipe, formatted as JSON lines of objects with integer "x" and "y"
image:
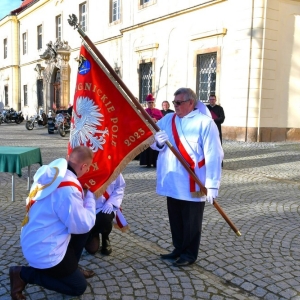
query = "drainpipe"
{"x": 249, "y": 73}
{"x": 261, "y": 71}
{"x": 19, "y": 69}
{"x": 168, "y": 64}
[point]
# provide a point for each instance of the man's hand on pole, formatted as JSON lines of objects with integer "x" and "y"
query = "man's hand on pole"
{"x": 161, "y": 137}
{"x": 211, "y": 195}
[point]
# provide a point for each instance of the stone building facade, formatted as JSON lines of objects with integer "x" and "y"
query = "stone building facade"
{"x": 246, "y": 52}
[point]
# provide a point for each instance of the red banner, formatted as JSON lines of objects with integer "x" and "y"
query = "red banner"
{"x": 107, "y": 122}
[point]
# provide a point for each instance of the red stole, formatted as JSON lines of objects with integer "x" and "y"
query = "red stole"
{"x": 62, "y": 184}
{"x": 185, "y": 155}
{"x": 71, "y": 183}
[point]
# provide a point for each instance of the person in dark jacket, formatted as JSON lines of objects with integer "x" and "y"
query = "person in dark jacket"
{"x": 217, "y": 113}
{"x": 149, "y": 156}
{"x": 166, "y": 108}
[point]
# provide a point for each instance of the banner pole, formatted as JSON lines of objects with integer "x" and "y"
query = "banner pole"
{"x": 73, "y": 22}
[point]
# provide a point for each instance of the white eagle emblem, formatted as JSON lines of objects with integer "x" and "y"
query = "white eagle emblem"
{"x": 84, "y": 131}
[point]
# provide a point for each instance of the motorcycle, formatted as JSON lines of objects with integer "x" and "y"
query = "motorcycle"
{"x": 1, "y": 118}
{"x": 10, "y": 115}
{"x": 40, "y": 120}
{"x": 19, "y": 117}
{"x": 63, "y": 123}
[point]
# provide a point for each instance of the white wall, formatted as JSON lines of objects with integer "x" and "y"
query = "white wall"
{"x": 258, "y": 74}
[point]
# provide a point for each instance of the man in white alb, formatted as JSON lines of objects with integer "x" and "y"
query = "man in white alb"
{"x": 196, "y": 137}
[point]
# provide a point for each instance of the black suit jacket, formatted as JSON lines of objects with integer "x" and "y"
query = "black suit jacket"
{"x": 218, "y": 115}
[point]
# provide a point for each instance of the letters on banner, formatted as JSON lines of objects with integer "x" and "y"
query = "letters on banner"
{"x": 106, "y": 121}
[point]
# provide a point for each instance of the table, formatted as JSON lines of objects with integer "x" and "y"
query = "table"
{"x": 13, "y": 159}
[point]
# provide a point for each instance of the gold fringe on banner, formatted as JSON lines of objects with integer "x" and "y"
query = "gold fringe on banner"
{"x": 126, "y": 160}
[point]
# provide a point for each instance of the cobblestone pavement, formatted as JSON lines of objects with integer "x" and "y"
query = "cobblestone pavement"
{"x": 259, "y": 192}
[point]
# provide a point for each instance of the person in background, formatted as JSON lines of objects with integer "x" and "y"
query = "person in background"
{"x": 56, "y": 227}
{"x": 166, "y": 108}
{"x": 196, "y": 138}
{"x": 149, "y": 156}
{"x": 217, "y": 113}
{"x": 107, "y": 206}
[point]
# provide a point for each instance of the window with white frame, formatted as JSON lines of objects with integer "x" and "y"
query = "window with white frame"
{"x": 83, "y": 16}
{"x": 206, "y": 75}
{"x": 40, "y": 37}
{"x": 24, "y": 42}
{"x": 145, "y": 74}
{"x": 115, "y": 10}
{"x": 25, "y": 95}
{"x": 146, "y": 3}
{"x": 58, "y": 27}
{"x": 5, "y": 48}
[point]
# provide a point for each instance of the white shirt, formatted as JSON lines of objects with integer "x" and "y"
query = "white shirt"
{"x": 116, "y": 193}
{"x": 52, "y": 220}
{"x": 200, "y": 137}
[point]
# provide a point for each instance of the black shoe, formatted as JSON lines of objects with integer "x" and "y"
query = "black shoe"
{"x": 181, "y": 262}
{"x": 17, "y": 285}
{"x": 106, "y": 251}
{"x": 171, "y": 255}
{"x": 106, "y": 247}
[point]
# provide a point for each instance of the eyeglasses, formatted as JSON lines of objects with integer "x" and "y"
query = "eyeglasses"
{"x": 179, "y": 102}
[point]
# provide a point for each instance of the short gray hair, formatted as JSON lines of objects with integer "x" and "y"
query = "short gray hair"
{"x": 188, "y": 93}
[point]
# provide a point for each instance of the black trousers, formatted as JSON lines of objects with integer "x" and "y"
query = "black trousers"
{"x": 185, "y": 219}
{"x": 148, "y": 157}
{"x": 103, "y": 224}
{"x": 65, "y": 277}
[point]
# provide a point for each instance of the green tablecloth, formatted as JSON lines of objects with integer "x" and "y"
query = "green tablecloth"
{"x": 13, "y": 159}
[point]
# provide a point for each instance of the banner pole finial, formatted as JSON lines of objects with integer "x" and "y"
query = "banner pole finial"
{"x": 73, "y": 21}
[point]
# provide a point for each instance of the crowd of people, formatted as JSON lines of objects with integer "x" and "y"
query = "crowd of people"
{"x": 63, "y": 219}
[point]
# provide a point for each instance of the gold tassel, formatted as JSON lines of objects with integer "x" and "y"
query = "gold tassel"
{"x": 25, "y": 221}
{"x": 33, "y": 193}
